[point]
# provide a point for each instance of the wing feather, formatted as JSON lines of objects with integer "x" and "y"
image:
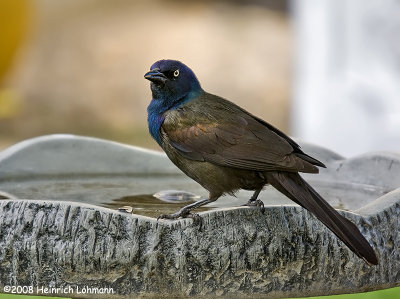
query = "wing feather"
{"x": 220, "y": 132}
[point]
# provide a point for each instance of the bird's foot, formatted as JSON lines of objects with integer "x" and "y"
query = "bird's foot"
{"x": 185, "y": 211}
{"x": 255, "y": 203}
{"x": 179, "y": 214}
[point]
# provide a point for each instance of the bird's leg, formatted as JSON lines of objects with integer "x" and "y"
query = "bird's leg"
{"x": 185, "y": 211}
{"x": 254, "y": 202}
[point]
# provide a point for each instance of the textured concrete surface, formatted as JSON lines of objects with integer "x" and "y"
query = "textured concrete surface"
{"x": 240, "y": 252}
{"x": 285, "y": 252}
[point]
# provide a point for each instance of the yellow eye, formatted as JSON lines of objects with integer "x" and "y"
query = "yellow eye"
{"x": 176, "y": 73}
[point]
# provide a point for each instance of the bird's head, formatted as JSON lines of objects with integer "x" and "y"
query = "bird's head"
{"x": 172, "y": 81}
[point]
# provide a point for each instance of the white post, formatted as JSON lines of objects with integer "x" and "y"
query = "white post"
{"x": 347, "y": 74}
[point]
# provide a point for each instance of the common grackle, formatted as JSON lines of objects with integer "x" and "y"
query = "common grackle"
{"x": 225, "y": 148}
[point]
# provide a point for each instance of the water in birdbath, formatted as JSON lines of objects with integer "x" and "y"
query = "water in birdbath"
{"x": 134, "y": 180}
{"x": 164, "y": 202}
{"x": 152, "y": 195}
{"x": 149, "y": 195}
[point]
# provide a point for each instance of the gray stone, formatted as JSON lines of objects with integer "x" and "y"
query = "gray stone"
{"x": 63, "y": 154}
{"x": 285, "y": 252}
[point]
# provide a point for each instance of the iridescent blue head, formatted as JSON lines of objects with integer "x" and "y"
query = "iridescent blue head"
{"x": 172, "y": 82}
{"x": 172, "y": 85}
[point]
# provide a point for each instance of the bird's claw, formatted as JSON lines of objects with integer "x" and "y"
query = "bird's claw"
{"x": 179, "y": 214}
{"x": 194, "y": 216}
{"x": 167, "y": 216}
{"x": 255, "y": 203}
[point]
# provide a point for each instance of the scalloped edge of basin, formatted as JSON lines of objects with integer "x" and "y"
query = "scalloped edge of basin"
{"x": 240, "y": 252}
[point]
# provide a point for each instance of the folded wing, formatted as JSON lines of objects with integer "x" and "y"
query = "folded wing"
{"x": 226, "y": 135}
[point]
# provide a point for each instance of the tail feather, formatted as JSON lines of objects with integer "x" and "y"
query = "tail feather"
{"x": 293, "y": 186}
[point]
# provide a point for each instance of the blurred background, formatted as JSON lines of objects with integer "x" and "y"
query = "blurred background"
{"x": 77, "y": 66}
{"x": 324, "y": 71}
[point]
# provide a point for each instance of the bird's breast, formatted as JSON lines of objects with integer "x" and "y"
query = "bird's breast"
{"x": 155, "y": 122}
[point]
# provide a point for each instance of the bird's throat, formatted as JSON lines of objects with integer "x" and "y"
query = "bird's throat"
{"x": 158, "y": 107}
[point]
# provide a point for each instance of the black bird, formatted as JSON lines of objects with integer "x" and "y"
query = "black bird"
{"x": 225, "y": 148}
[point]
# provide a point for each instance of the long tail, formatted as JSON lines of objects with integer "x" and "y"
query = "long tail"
{"x": 293, "y": 186}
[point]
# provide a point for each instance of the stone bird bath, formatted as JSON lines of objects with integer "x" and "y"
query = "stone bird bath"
{"x": 65, "y": 221}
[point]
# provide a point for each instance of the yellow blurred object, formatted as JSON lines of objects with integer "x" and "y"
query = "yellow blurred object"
{"x": 14, "y": 17}
{"x": 10, "y": 104}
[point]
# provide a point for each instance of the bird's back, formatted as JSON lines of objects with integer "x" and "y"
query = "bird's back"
{"x": 210, "y": 128}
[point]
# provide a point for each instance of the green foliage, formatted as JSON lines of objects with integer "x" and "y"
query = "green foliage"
{"x": 393, "y": 293}
{"x": 11, "y": 296}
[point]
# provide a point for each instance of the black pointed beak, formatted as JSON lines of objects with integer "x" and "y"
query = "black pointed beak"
{"x": 155, "y": 76}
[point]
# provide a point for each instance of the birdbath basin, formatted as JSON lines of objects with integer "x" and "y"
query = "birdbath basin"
{"x": 81, "y": 212}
